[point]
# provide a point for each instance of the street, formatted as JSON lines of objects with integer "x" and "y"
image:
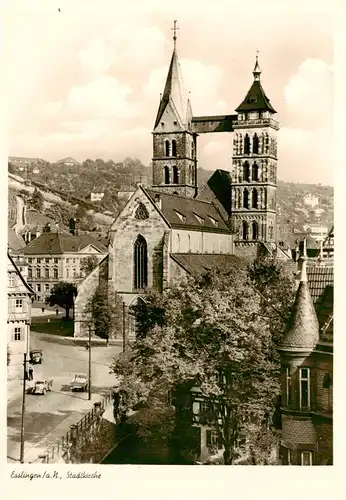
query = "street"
{"x": 49, "y": 417}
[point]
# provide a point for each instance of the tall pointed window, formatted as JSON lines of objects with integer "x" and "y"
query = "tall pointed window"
{"x": 254, "y": 231}
{"x": 246, "y": 171}
{"x": 166, "y": 175}
{"x": 175, "y": 175}
{"x": 254, "y": 200}
{"x": 246, "y": 145}
{"x": 174, "y": 147}
{"x": 140, "y": 263}
{"x": 255, "y": 144}
{"x": 167, "y": 148}
{"x": 246, "y": 198}
{"x": 255, "y": 172}
{"x": 244, "y": 230}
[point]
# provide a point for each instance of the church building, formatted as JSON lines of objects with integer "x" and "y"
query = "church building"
{"x": 173, "y": 229}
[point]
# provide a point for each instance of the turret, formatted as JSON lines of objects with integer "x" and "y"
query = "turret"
{"x": 254, "y": 166}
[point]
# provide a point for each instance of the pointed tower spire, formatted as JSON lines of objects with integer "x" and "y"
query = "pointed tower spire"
{"x": 257, "y": 70}
{"x": 302, "y": 331}
{"x": 174, "y": 91}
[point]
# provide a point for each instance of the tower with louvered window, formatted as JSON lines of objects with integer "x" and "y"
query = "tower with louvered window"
{"x": 254, "y": 166}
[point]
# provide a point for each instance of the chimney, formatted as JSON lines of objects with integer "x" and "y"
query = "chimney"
{"x": 158, "y": 201}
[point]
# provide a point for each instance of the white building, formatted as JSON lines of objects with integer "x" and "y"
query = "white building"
{"x": 311, "y": 200}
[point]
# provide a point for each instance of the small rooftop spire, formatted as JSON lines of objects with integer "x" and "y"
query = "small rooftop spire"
{"x": 257, "y": 70}
{"x": 174, "y": 29}
{"x": 304, "y": 259}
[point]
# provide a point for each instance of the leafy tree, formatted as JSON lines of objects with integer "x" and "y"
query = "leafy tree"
{"x": 81, "y": 212}
{"x": 214, "y": 332}
{"x": 105, "y": 310}
{"x": 46, "y": 228}
{"x": 36, "y": 200}
{"x": 88, "y": 264}
{"x": 63, "y": 295}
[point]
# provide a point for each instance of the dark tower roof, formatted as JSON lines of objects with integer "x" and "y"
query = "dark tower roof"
{"x": 256, "y": 99}
{"x": 303, "y": 328}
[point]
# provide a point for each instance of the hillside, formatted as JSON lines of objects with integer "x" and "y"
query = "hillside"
{"x": 70, "y": 185}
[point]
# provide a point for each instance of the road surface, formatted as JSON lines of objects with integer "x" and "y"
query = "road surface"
{"x": 49, "y": 417}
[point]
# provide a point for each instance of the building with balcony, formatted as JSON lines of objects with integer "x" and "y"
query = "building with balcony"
{"x": 19, "y": 295}
{"x": 56, "y": 257}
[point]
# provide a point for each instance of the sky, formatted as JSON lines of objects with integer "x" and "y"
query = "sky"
{"x": 85, "y": 81}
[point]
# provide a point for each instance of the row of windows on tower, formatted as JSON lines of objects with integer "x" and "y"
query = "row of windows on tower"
{"x": 170, "y": 148}
{"x": 251, "y": 231}
{"x": 171, "y": 175}
{"x": 258, "y": 145}
{"x": 253, "y": 199}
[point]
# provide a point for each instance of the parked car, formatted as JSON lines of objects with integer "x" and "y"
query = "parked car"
{"x": 41, "y": 387}
{"x": 36, "y": 356}
{"x": 79, "y": 382}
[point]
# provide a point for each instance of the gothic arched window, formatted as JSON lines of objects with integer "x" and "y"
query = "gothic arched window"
{"x": 175, "y": 175}
{"x": 140, "y": 263}
{"x": 166, "y": 174}
{"x": 254, "y": 200}
{"x": 141, "y": 212}
{"x": 266, "y": 144}
{"x": 254, "y": 230}
{"x": 246, "y": 172}
{"x": 246, "y": 198}
{"x": 167, "y": 148}
{"x": 244, "y": 230}
{"x": 255, "y": 144}
{"x": 174, "y": 147}
{"x": 255, "y": 172}
{"x": 246, "y": 145}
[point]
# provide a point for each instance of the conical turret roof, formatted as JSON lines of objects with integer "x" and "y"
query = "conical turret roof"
{"x": 303, "y": 329}
{"x": 174, "y": 92}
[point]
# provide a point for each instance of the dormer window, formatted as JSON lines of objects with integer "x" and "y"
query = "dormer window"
{"x": 213, "y": 221}
{"x": 162, "y": 124}
{"x": 175, "y": 123}
{"x": 181, "y": 216}
{"x": 200, "y": 219}
{"x": 252, "y": 100}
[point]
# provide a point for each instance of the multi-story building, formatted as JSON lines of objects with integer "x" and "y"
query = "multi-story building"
{"x": 19, "y": 295}
{"x": 96, "y": 195}
{"x": 306, "y": 351}
{"x": 55, "y": 257}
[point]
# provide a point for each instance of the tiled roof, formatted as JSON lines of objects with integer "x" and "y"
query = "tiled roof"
{"x": 256, "y": 100}
{"x": 186, "y": 213}
{"x": 302, "y": 329}
{"x": 319, "y": 277}
{"x": 196, "y": 264}
{"x": 324, "y": 310}
{"x": 220, "y": 186}
{"x": 59, "y": 243}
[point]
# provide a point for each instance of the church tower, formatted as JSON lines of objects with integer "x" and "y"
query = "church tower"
{"x": 254, "y": 166}
{"x": 174, "y": 143}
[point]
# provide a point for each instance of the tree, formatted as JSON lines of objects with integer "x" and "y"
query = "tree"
{"x": 105, "y": 310}
{"x": 36, "y": 200}
{"x": 63, "y": 295}
{"x": 46, "y": 228}
{"x": 214, "y": 332}
{"x": 88, "y": 264}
